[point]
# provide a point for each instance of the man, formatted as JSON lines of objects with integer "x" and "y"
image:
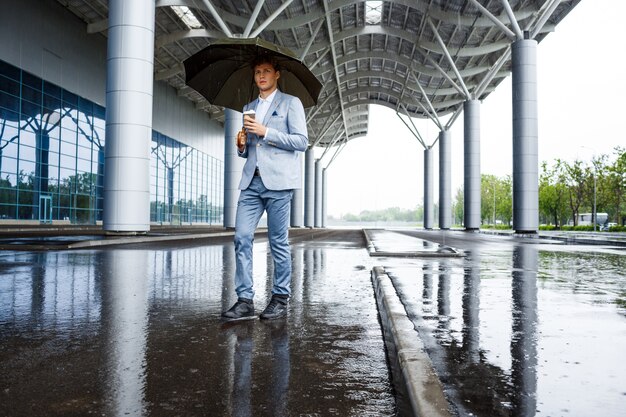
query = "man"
{"x": 275, "y": 137}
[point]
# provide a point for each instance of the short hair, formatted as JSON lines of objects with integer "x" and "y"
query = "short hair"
{"x": 265, "y": 59}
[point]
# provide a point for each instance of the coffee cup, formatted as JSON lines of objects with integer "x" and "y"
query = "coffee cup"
{"x": 250, "y": 113}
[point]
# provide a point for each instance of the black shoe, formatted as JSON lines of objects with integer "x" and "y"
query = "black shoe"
{"x": 243, "y": 309}
{"x": 276, "y": 309}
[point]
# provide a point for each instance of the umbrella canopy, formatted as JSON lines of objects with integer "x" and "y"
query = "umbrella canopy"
{"x": 223, "y": 74}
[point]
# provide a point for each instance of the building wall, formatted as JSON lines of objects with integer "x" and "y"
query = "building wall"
{"x": 45, "y": 39}
{"x": 178, "y": 118}
{"x": 42, "y": 38}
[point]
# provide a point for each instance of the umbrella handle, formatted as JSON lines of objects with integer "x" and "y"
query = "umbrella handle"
{"x": 242, "y": 138}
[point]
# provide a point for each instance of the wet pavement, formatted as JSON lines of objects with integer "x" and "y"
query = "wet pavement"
{"x": 136, "y": 331}
{"x": 519, "y": 327}
{"x": 515, "y": 327}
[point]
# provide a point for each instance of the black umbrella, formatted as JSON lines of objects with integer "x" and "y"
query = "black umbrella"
{"x": 223, "y": 74}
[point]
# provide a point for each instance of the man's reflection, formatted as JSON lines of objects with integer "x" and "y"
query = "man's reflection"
{"x": 269, "y": 377}
{"x": 279, "y": 339}
{"x": 242, "y": 344}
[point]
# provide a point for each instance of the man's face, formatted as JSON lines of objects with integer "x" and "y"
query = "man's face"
{"x": 266, "y": 78}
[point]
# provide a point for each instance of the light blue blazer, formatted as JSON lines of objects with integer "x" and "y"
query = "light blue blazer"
{"x": 278, "y": 154}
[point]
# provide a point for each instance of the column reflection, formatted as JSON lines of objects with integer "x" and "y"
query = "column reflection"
{"x": 124, "y": 317}
{"x": 308, "y": 275}
{"x": 228, "y": 277}
{"x": 297, "y": 287}
{"x": 443, "y": 296}
{"x": 471, "y": 309}
{"x": 38, "y": 289}
{"x": 524, "y": 330}
{"x": 427, "y": 290}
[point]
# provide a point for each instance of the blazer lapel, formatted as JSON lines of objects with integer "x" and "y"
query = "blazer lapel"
{"x": 277, "y": 99}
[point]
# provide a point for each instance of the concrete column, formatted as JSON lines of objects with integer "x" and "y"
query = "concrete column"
{"x": 429, "y": 213}
{"x": 130, "y": 53}
{"x": 445, "y": 172}
{"x": 309, "y": 188}
{"x": 324, "y": 197}
{"x": 297, "y": 204}
{"x": 525, "y": 137}
{"x": 318, "y": 193}
{"x": 471, "y": 165}
{"x": 296, "y": 208}
{"x": 233, "y": 165}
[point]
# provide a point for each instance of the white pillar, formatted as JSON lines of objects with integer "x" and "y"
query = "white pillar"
{"x": 324, "y": 197}
{"x": 445, "y": 171}
{"x": 297, "y": 219}
{"x": 428, "y": 189}
{"x": 318, "y": 193}
{"x": 233, "y": 165}
{"x": 471, "y": 165}
{"x": 309, "y": 188}
{"x": 130, "y": 54}
{"x": 525, "y": 137}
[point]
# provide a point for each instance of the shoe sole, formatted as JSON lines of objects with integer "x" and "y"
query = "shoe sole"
{"x": 239, "y": 318}
{"x": 273, "y": 318}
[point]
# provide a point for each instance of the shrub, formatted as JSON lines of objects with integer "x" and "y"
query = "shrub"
{"x": 547, "y": 227}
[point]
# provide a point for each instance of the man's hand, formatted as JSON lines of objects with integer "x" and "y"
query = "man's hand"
{"x": 252, "y": 126}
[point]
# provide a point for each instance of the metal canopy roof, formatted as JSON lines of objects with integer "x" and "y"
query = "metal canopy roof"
{"x": 421, "y": 58}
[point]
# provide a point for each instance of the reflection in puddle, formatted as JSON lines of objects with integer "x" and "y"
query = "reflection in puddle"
{"x": 138, "y": 332}
{"x": 123, "y": 285}
{"x": 519, "y": 331}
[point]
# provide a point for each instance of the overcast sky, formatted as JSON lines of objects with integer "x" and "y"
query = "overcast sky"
{"x": 581, "y": 86}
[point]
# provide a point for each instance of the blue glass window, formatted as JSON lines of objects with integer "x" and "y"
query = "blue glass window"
{"x": 52, "y": 141}
{"x": 10, "y": 87}
{"x": 9, "y": 71}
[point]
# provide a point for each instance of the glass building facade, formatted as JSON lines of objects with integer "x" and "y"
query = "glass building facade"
{"x": 52, "y": 160}
{"x": 185, "y": 184}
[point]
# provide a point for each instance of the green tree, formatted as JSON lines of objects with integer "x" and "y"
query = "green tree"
{"x": 504, "y": 200}
{"x": 496, "y": 199}
{"x": 458, "y": 207}
{"x": 575, "y": 179}
{"x": 488, "y": 197}
{"x": 616, "y": 183}
{"x": 552, "y": 193}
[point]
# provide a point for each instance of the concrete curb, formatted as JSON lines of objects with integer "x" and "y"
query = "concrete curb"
{"x": 442, "y": 252}
{"x": 418, "y": 377}
{"x": 95, "y": 243}
{"x": 570, "y": 238}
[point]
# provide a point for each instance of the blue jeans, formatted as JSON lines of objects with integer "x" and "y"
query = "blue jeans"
{"x": 252, "y": 202}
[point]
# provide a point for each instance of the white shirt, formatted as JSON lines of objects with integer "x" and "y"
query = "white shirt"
{"x": 263, "y": 106}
